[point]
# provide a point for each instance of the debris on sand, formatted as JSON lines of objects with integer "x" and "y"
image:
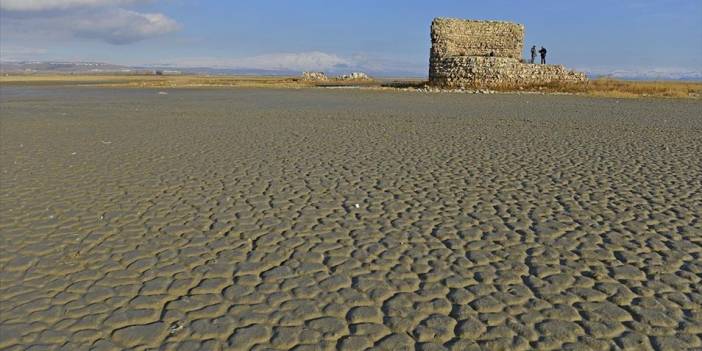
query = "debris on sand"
{"x": 315, "y": 76}
{"x": 354, "y": 76}
{"x": 175, "y": 327}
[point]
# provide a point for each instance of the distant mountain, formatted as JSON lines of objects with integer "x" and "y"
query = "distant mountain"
{"x": 99, "y": 67}
{"x": 60, "y": 67}
{"x": 77, "y": 67}
{"x": 219, "y": 71}
{"x": 65, "y": 67}
{"x": 647, "y": 74}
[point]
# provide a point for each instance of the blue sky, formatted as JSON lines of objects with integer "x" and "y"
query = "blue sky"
{"x": 390, "y": 37}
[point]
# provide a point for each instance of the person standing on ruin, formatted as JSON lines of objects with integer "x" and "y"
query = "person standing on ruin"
{"x": 543, "y": 55}
{"x": 533, "y": 53}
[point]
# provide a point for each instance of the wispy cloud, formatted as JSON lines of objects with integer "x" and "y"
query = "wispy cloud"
{"x": 100, "y": 20}
{"x": 12, "y": 53}
{"x": 44, "y": 5}
{"x": 124, "y": 26}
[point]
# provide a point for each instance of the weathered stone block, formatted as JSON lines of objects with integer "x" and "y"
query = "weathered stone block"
{"x": 459, "y": 37}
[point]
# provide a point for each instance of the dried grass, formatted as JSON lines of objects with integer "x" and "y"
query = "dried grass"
{"x": 607, "y": 87}
{"x": 603, "y": 87}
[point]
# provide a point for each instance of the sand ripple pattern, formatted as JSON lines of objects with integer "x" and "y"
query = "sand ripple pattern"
{"x": 318, "y": 220}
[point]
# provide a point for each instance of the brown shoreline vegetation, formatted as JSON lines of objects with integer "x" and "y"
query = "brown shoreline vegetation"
{"x": 608, "y": 87}
{"x": 601, "y": 87}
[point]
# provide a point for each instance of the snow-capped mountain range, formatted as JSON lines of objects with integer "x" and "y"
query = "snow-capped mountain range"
{"x": 78, "y": 67}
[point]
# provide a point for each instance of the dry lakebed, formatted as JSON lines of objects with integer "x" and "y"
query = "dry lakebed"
{"x": 317, "y": 219}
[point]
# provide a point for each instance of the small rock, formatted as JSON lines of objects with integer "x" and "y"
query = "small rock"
{"x": 175, "y": 327}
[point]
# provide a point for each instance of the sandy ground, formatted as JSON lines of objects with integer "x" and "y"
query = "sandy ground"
{"x": 321, "y": 219}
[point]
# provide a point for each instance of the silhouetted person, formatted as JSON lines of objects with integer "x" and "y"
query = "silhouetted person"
{"x": 543, "y": 55}
{"x": 533, "y": 54}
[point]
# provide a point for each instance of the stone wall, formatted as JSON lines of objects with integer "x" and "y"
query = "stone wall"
{"x": 498, "y": 72}
{"x": 486, "y": 54}
{"x": 458, "y": 37}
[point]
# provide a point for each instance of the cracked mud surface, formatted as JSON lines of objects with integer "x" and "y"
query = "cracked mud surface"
{"x": 280, "y": 219}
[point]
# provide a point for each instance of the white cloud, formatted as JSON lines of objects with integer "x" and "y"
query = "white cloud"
{"x": 123, "y": 26}
{"x": 93, "y": 19}
{"x": 44, "y": 5}
{"x": 22, "y": 50}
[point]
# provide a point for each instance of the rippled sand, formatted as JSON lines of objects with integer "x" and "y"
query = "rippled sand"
{"x": 315, "y": 219}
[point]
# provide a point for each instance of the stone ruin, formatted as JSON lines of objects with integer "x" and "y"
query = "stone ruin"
{"x": 314, "y": 76}
{"x": 322, "y": 77}
{"x": 354, "y": 76}
{"x": 486, "y": 54}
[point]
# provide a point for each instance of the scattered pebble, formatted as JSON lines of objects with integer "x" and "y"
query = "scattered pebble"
{"x": 175, "y": 327}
